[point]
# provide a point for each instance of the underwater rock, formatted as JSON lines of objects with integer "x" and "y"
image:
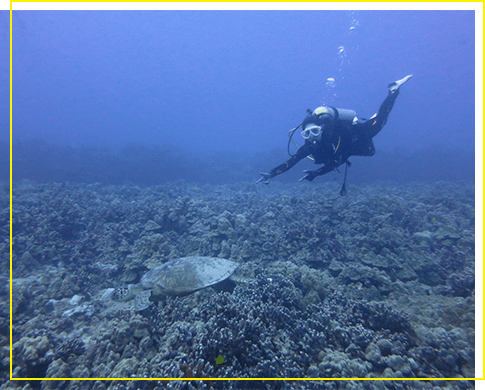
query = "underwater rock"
{"x": 336, "y": 267}
{"x": 241, "y": 222}
{"x": 198, "y": 228}
{"x": 246, "y": 251}
{"x": 224, "y": 226}
{"x": 75, "y": 300}
{"x": 447, "y": 236}
{"x": 225, "y": 250}
{"x": 423, "y": 238}
{"x": 406, "y": 273}
{"x": 400, "y": 365}
{"x": 428, "y": 270}
{"x": 373, "y": 353}
{"x": 58, "y": 369}
{"x": 152, "y": 226}
{"x": 32, "y": 356}
{"x": 338, "y": 365}
{"x": 84, "y": 310}
{"x": 313, "y": 371}
{"x": 125, "y": 368}
{"x": 462, "y": 282}
{"x": 107, "y": 294}
{"x": 385, "y": 346}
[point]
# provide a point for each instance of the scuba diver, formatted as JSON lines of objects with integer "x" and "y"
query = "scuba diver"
{"x": 332, "y": 135}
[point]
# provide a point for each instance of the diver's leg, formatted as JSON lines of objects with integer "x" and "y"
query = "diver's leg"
{"x": 376, "y": 123}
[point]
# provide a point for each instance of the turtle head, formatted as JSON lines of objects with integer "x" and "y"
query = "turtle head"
{"x": 125, "y": 293}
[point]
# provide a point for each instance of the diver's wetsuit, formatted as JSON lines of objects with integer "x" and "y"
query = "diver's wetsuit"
{"x": 344, "y": 141}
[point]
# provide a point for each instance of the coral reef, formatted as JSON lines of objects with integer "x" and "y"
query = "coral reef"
{"x": 377, "y": 284}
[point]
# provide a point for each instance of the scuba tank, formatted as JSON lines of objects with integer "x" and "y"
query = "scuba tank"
{"x": 337, "y": 114}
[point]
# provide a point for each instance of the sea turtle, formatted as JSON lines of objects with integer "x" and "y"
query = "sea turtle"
{"x": 180, "y": 276}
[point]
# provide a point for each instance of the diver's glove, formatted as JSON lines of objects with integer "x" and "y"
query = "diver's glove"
{"x": 264, "y": 177}
{"x": 309, "y": 175}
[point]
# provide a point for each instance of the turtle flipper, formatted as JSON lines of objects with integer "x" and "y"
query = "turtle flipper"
{"x": 142, "y": 300}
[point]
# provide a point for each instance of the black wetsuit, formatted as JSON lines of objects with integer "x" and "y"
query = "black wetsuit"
{"x": 344, "y": 140}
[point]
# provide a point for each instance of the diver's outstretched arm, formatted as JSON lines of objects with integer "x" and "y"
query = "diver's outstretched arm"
{"x": 287, "y": 165}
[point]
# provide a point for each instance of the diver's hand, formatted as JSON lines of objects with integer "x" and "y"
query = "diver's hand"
{"x": 264, "y": 177}
{"x": 309, "y": 175}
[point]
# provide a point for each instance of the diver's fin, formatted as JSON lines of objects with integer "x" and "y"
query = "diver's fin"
{"x": 396, "y": 84}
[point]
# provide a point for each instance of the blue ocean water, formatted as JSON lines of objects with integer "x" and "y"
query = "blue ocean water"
{"x": 202, "y": 87}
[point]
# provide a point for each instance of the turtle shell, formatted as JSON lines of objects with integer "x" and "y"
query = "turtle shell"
{"x": 187, "y": 274}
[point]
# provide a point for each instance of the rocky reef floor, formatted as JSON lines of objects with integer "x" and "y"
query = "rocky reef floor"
{"x": 377, "y": 284}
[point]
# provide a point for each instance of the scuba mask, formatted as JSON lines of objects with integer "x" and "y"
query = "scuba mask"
{"x": 314, "y": 133}
{"x": 311, "y": 131}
